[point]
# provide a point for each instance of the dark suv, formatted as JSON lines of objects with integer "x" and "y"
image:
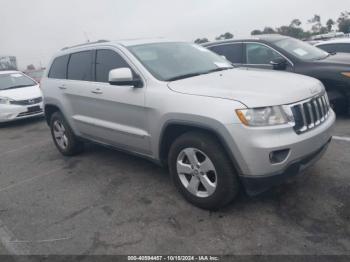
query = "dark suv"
{"x": 285, "y": 53}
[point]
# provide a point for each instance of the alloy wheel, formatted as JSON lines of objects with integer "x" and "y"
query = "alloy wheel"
{"x": 196, "y": 172}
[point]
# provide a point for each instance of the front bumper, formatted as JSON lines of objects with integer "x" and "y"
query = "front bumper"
{"x": 257, "y": 184}
{"x": 10, "y": 113}
{"x": 252, "y": 149}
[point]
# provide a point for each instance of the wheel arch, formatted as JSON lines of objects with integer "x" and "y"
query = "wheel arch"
{"x": 173, "y": 129}
{"x": 49, "y": 110}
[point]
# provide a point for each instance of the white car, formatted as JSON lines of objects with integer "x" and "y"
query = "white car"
{"x": 20, "y": 97}
{"x": 341, "y": 45}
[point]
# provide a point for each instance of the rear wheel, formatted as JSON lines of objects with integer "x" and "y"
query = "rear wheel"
{"x": 65, "y": 140}
{"x": 202, "y": 171}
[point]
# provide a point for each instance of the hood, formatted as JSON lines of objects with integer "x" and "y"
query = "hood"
{"x": 22, "y": 93}
{"x": 338, "y": 58}
{"x": 252, "y": 87}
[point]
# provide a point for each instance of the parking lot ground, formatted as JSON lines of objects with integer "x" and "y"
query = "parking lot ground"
{"x": 107, "y": 202}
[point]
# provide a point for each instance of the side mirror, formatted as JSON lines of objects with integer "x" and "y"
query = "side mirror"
{"x": 279, "y": 63}
{"x": 123, "y": 77}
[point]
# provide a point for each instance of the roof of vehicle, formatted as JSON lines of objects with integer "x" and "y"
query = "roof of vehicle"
{"x": 266, "y": 37}
{"x": 334, "y": 41}
{"x": 124, "y": 42}
{"x": 9, "y": 72}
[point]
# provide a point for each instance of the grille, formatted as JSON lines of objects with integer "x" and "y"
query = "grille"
{"x": 311, "y": 113}
{"x": 30, "y": 113}
{"x": 27, "y": 102}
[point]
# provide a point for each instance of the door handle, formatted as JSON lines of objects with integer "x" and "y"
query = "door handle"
{"x": 62, "y": 87}
{"x": 97, "y": 91}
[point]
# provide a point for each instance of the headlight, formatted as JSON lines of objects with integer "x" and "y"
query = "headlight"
{"x": 263, "y": 116}
{"x": 5, "y": 100}
{"x": 346, "y": 74}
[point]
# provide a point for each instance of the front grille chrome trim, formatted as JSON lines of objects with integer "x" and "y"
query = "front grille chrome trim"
{"x": 310, "y": 113}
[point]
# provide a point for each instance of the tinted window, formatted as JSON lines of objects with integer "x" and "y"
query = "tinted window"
{"x": 106, "y": 60}
{"x": 80, "y": 66}
{"x": 257, "y": 54}
{"x": 59, "y": 68}
{"x": 232, "y": 52}
{"x": 338, "y": 48}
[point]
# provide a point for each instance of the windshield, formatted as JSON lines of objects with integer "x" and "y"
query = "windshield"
{"x": 301, "y": 49}
{"x": 174, "y": 61}
{"x": 14, "y": 80}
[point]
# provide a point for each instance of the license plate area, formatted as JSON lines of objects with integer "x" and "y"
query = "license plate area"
{"x": 33, "y": 109}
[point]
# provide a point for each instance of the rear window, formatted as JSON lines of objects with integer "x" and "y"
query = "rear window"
{"x": 58, "y": 68}
{"x": 80, "y": 66}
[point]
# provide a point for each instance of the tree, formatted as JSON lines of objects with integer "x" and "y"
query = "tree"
{"x": 201, "y": 40}
{"x": 317, "y": 25}
{"x": 268, "y": 30}
{"x": 295, "y": 23}
{"x": 344, "y": 22}
{"x": 330, "y": 23}
{"x": 227, "y": 35}
{"x": 30, "y": 67}
{"x": 256, "y": 32}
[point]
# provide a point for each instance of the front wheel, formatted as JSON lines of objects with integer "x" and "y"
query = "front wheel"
{"x": 202, "y": 171}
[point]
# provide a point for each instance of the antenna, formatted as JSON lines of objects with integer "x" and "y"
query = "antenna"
{"x": 87, "y": 37}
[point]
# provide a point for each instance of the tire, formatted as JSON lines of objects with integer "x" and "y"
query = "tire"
{"x": 216, "y": 188}
{"x": 68, "y": 144}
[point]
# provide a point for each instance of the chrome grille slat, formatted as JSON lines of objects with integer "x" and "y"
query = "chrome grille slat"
{"x": 318, "y": 114}
{"x": 310, "y": 113}
{"x": 319, "y": 102}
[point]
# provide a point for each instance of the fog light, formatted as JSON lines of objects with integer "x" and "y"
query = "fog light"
{"x": 278, "y": 156}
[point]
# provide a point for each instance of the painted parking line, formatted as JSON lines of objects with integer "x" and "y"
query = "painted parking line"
{"x": 342, "y": 138}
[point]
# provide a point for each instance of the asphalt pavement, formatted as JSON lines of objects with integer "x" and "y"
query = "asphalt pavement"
{"x": 107, "y": 202}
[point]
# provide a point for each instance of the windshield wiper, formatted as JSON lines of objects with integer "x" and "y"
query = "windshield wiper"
{"x": 18, "y": 86}
{"x": 184, "y": 76}
{"x": 218, "y": 69}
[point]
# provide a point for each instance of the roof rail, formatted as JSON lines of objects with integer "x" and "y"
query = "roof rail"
{"x": 84, "y": 44}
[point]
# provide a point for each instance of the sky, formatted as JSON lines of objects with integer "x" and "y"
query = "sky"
{"x": 33, "y": 30}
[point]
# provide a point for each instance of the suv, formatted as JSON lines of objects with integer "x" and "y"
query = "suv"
{"x": 341, "y": 45}
{"x": 288, "y": 54}
{"x": 185, "y": 107}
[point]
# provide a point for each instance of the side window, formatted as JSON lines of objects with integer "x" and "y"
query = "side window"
{"x": 80, "y": 66}
{"x": 342, "y": 48}
{"x": 328, "y": 48}
{"x": 257, "y": 54}
{"x": 106, "y": 60}
{"x": 58, "y": 68}
{"x": 232, "y": 52}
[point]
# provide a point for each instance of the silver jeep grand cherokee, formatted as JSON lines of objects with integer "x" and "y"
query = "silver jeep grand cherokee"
{"x": 183, "y": 106}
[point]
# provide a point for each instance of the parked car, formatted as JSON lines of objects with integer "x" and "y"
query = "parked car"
{"x": 335, "y": 46}
{"x": 181, "y": 105}
{"x": 20, "y": 97}
{"x": 35, "y": 74}
{"x": 292, "y": 55}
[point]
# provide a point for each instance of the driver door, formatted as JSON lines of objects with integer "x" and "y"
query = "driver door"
{"x": 259, "y": 55}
